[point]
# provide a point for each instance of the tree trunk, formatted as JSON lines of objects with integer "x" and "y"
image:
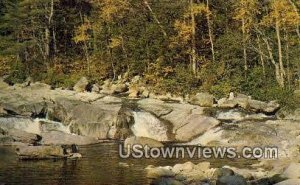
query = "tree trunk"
{"x": 47, "y": 30}
{"x": 261, "y": 57}
{"x": 193, "y": 55}
{"x": 287, "y": 56}
{"x": 277, "y": 67}
{"x": 47, "y": 42}
{"x": 210, "y": 32}
{"x": 54, "y": 41}
{"x": 155, "y": 18}
{"x": 244, "y": 45}
{"x": 280, "y": 57}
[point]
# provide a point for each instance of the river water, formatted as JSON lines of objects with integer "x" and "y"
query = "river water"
{"x": 100, "y": 165}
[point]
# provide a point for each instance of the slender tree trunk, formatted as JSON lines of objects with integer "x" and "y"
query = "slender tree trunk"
{"x": 54, "y": 41}
{"x": 86, "y": 48}
{"x": 47, "y": 42}
{"x": 261, "y": 56}
{"x": 244, "y": 45}
{"x": 47, "y": 29}
{"x": 125, "y": 54}
{"x": 280, "y": 57}
{"x": 287, "y": 56}
{"x": 155, "y": 18}
{"x": 210, "y": 32}
{"x": 276, "y": 65}
{"x": 193, "y": 55}
{"x": 110, "y": 51}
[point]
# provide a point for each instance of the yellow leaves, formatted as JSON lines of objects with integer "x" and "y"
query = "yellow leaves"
{"x": 111, "y": 9}
{"x": 184, "y": 30}
{"x": 283, "y": 13}
{"x": 184, "y": 27}
{"x": 81, "y": 33}
{"x": 5, "y": 64}
{"x": 196, "y": 9}
{"x": 246, "y": 10}
{"x": 115, "y": 42}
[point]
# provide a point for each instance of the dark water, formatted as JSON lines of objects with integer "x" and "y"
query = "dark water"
{"x": 100, "y": 165}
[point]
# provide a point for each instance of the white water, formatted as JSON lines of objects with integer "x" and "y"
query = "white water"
{"x": 48, "y": 125}
{"x": 230, "y": 115}
{"x": 147, "y": 125}
{"x": 35, "y": 126}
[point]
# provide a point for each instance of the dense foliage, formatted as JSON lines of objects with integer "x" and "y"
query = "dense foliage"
{"x": 178, "y": 46}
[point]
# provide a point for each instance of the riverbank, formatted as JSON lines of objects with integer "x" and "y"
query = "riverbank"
{"x": 44, "y": 116}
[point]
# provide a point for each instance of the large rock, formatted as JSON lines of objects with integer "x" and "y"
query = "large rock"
{"x": 234, "y": 101}
{"x": 246, "y": 102}
{"x": 226, "y": 103}
{"x": 87, "y": 114}
{"x": 23, "y": 137}
{"x": 88, "y": 119}
{"x": 156, "y": 172}
{"x": 196, "y": 125}
{"x": 237, "y": 115}
{"x": 203, "y": 99}
{"x": 147, "y": 125}
{"x": 283, "y": 134}
{"x": 81, "y": 85}
{"x": 292, "y": 171}
{"x": 40, "y": 152}
{"x": 143, "y": 141}
{"x": 175, "y": 113}
{"x": 220, "y": 172}
{"x": 21, "y": 124}
{"x": 260, "y": 106}
{"x": 29, "y": 101}
{"x": 187, "y": 167}
{"x": 60, "y": 138}
{"x": 289, "y": 182}
{"x": 231, "y": 180}
{"x": 156, "y": 107}
{"x": 118, "y": 88}
{"x": 24, "y": 107}
{"x": 165, "y": 181}
{"x": 189, "y": 172}
{"x": 186, "y": 121}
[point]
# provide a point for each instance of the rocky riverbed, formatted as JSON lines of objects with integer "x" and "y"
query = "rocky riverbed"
{"x": 35, "y": 117}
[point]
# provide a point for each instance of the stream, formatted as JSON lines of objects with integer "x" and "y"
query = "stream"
{"x": 100, "y": 165}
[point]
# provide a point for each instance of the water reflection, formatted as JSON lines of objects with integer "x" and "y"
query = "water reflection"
{"x": 100, "y": 165}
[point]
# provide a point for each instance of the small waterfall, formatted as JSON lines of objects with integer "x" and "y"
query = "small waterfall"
{"x": 35, "y": 126}
{"x": 48, "y": 125}
{"x": 147, "y": 125}
{"x": 24, "y": 124}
